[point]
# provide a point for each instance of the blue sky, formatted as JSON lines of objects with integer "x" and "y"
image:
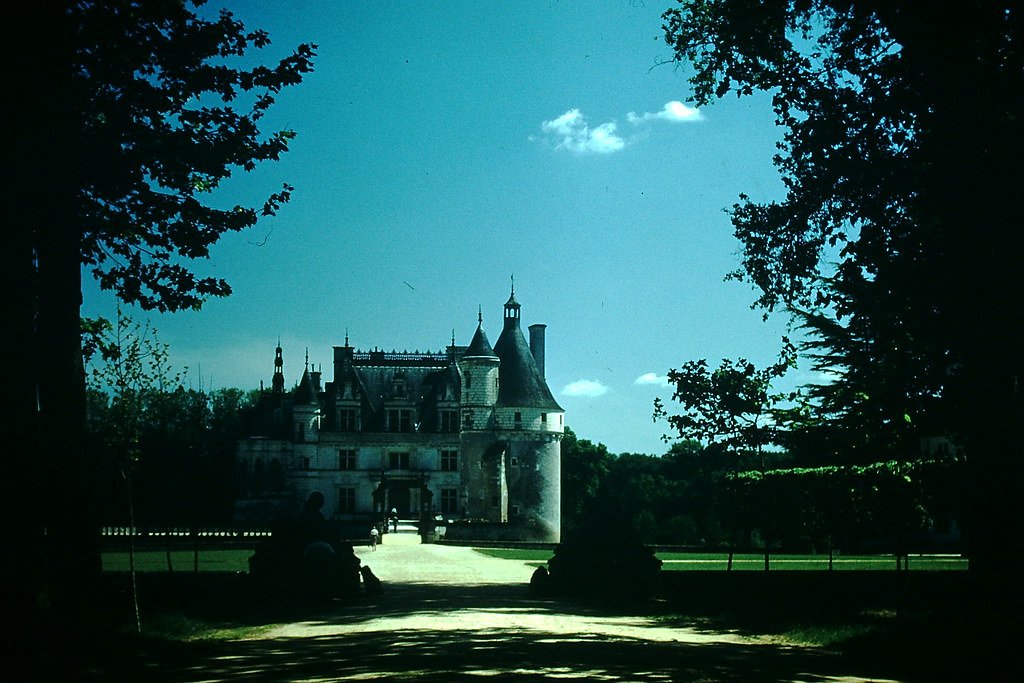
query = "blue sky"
{"x": 445, "y": 146}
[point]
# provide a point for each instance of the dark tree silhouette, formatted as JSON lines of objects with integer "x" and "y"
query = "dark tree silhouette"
{"x": 125, "y": 115}
{"x": 916, "y": 202}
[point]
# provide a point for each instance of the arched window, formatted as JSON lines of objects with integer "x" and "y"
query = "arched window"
{"x": 259, "y": 477}
{"x": 276, "y": 475}
{"x": 244, "y": 479}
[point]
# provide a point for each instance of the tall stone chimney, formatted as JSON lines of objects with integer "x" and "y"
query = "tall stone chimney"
{"x": 537, "y": 345}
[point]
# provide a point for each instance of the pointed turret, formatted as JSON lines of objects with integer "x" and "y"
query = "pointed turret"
{"x": 277, "y": 383}
{"x": 479, "y": 367}
{"x": 522, "y": 382}
{"x": 306, "y": 392}
{"x": 480, "y": 347}
{"x": 306, "y": 408}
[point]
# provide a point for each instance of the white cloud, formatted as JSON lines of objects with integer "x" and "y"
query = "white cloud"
{"x": 571, "y": 131}
{"x": 584, "y": 387}
{"x": 674, "y": 111}
{"x": 652, "y": 379}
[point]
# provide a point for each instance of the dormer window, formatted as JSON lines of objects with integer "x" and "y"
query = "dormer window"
{"x": 348, "y": 420}
{"x": 399, "y": 420}
{"x": 449, "y": 421}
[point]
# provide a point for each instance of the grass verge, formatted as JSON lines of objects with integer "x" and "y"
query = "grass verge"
{"x": 755, "y": 562}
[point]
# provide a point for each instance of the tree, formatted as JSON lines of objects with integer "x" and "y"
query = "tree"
{"x": 730, "y": 407}
{"x": 127, "y": 120}
{"x": 882, "y": 393}
{"x": 584, "y": 468}
{"x": 882, "y": 174}
{"x": 138, "y": 376}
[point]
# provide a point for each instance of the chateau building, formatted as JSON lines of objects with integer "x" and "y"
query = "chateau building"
{"x": 470, "y": 433}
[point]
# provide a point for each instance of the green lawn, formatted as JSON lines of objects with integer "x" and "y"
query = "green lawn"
{"x": 238, "y": 561}
{"x": 755, "y": 562}
{"x": 181, "y": 561}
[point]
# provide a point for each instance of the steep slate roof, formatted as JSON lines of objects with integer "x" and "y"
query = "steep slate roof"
{"x": 520, "y": 382}
{"x": 306, "y": 392}
{"x": 427, "y": 380}
{"x": 479, "y": 347}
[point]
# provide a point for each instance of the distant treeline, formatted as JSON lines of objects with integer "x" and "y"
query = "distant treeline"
{"x": 182, "y": 461}
{"x": 696, "y": 496}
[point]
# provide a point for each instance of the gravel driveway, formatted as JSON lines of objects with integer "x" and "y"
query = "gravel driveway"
{"x": 450, "y": 614}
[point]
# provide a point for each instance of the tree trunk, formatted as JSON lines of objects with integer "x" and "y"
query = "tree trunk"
{"x": 72, "y": 532}
{"x": 63, "y": 527}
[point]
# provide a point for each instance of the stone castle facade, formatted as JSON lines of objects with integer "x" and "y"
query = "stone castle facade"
{"x": 470, "y": 433}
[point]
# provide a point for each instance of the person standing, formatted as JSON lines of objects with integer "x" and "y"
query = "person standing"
{"x": 373, "y": 537}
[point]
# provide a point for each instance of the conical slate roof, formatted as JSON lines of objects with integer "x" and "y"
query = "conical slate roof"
{"x": 479, "y": 347}
{"x": 305, "y": 394}
{"x": 520, "y": 381}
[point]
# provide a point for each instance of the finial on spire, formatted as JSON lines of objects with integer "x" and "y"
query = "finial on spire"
{"x": 453, "y": 336}
{"x": 346, "y": 336}
{"x": 513, "y": 284}
{"x": 307, "y": 358}
{"x": 479, "y": 314}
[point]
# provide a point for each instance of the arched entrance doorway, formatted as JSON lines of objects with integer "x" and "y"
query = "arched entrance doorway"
{"x": 408, "y": 496}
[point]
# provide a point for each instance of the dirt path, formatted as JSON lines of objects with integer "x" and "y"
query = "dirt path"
{"x": 423, "y": 583}
{"x": 451, "y": 614}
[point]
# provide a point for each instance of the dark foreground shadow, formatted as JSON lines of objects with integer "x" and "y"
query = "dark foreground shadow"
{"x": 470, "y": 654}
{"x": 505, "y": 654}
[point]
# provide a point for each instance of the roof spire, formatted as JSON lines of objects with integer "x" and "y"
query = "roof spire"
{"x": 512, "y": 307}
{"x": 278, "y": 380}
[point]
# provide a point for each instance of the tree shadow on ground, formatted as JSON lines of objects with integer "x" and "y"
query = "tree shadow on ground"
{"x": 503, "y": 655}
{"x": 464, "y": 651}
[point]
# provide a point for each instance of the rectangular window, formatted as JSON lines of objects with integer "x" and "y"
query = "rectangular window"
{"x": 544, "y": 418}
{"x": 399, "y": 420}
{"x": 518, "y": 421}
{"x": 449, "y": 501}
{"x": 448, "y": 421}
{"x": 347, "y": 420}
{"x": 467, "y": 418}
{"x": 449, "y": 461}
{"x": 346, "y": 500}
{"x": 398, "y": 461}
{"x": 346, "y": 459}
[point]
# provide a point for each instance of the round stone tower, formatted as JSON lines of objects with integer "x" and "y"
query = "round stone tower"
{"x": 529, "y": 422}
{"x": 484, "y": 494}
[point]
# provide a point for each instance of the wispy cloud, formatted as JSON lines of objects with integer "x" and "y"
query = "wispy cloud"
{"x": 571, "y": 131}
{"x": 584, "y": 387}
{"x": 651, "y": 378}
{"x": 674, "y": 111}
